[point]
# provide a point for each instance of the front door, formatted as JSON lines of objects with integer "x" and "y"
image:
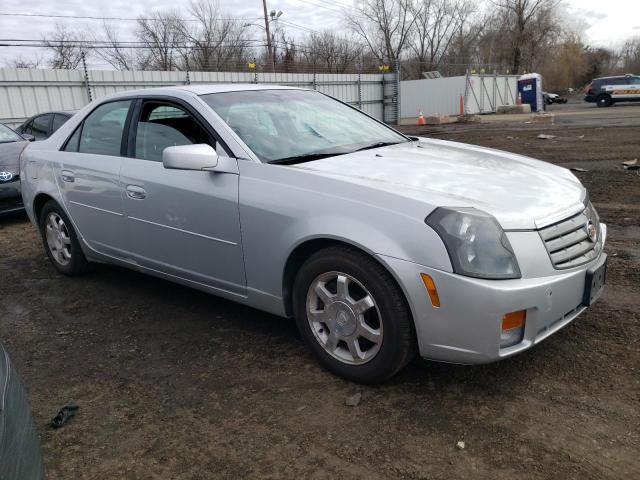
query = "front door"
{"x": 183, "y": 223}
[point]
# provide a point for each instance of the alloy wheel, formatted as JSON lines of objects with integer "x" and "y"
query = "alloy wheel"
{"x": 58, "y": 239}
{"x": 344, "y": 318}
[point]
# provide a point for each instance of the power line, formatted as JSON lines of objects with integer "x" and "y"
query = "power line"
{"x": 126, "y": 19}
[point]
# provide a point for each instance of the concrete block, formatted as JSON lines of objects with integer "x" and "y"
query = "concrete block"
{"x": 514, "y": 109}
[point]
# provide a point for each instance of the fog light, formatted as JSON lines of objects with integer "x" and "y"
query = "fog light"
{"x": 512, "y": 328}
{"x": 431, "y": 289}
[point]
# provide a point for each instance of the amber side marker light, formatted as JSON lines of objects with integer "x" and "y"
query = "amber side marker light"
{"x": 431, "y": 289}
{"x": 513, "y": 320}
{"x": 512, "y": 328}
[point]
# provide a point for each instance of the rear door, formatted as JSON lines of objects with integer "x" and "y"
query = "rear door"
{"x": 90, "y": 177}
{"x": 184, "y": 223}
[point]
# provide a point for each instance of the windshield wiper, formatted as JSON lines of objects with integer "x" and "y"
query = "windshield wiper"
{"x": 376, "y": 145}
{"x": 307, "y": 157}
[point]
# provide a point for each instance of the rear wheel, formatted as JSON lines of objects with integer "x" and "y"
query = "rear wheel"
{"x": 604, "y": 101}
{"x": 353, "y": 315}
{"x": 60, "y": 241}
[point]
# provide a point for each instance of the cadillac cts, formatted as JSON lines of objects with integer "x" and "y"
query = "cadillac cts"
{"x": 380, "y": 245}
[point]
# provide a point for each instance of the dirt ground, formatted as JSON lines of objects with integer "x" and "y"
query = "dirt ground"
{"x": 173, "y": 383}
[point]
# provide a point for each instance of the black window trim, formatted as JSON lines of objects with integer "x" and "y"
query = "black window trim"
{"x": 80, "y": 126}
{"x": 184, "y": 105}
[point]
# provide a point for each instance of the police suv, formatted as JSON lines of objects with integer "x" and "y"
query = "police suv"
{"x": 606, "y": 91}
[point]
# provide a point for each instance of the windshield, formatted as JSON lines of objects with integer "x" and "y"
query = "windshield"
{"x": 8, "y": 135}
{"x": 281, "y": 125}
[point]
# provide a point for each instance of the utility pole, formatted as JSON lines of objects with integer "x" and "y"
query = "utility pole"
{"x": 266, "y": 27}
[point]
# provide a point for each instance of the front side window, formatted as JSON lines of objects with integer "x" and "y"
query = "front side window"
{"x": 102, "y": 129}
{"x": 40, "y": 127}
{"x": 163, "y": 125}
{"x": 286, "y": 125}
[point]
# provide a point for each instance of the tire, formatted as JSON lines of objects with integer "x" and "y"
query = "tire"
{"x": 378, "y": 357}
{"x": 60, "y": 241}
{"x": 604, "y": 101}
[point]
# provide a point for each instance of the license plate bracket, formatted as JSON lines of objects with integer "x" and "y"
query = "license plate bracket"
{"x": 594, "y": 282}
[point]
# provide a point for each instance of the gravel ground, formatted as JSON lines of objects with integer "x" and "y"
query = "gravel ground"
{"x": 173, "y": 383}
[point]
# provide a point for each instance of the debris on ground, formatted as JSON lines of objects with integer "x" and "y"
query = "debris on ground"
{"x": 578, "y": 169}
{"x": 353, "y": 400}
{"x": 580, "y": 137}
{"x": 544, "y": 136}
{"x": 64, "y": 414}
{"x": 631, "y": 164}
{"x": 460, "y": 445}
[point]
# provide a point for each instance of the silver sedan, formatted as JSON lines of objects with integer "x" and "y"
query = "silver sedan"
{"x": 381, "y": 246}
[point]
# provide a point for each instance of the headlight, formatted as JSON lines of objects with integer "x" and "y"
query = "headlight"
{"x": 477, "y": 245}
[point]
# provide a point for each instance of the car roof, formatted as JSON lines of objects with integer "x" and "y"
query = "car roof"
{"x": 205, "y": 89}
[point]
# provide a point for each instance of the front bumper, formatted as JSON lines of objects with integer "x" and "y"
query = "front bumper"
{"x": 10, "y": 197}
{"x": 466, "y": 327}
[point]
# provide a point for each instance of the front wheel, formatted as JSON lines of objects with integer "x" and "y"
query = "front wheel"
{"x": 60, "y": 241}
{"x": 353, "y": 315}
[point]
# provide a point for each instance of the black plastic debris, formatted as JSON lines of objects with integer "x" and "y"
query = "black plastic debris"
{"x": 65, "y": 413}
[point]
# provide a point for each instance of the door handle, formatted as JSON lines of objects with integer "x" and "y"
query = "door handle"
{"x": 68, "y": 176}
{"x": 136, "y": 192}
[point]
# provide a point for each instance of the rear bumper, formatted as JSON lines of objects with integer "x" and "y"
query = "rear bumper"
{"x": 10, "y": 197}
{"x": 466, "y": 327}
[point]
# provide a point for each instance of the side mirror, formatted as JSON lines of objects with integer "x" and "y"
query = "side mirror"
{"x": 29, "y": 138}
{"x": 190, "y": 157}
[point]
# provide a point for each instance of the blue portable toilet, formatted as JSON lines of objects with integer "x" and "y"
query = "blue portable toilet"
{"x": 530, "y": 90}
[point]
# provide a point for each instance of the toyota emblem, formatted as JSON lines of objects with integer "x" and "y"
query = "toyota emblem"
{"x": 592, "y": 231}
{"x": 6, "y": 176}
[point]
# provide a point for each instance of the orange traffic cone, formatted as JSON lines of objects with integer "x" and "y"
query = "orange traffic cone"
{"x": 461, "y": 106}
{"x": 421, "y": 120}
{"x": 519, "y": 101}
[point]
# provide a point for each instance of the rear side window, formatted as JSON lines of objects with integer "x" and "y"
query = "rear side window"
{"x": 58, "y": 121}
{"x": 40, "y": 127}
{"x": 102, "y": 129}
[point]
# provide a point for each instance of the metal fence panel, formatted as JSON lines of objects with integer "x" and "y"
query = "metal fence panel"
{"x": 431, "y": 96}
{"x": 480, "y": 94}
{"x": 26, "y": 92}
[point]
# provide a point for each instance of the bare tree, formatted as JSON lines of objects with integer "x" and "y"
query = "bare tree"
{"x": 66, "y": 46}
{"x": 331, "y": 53}
{"x": 630, "y": 56}
{"x": 384, "y": 25}
{"x": 161, "y": 34}
{"x": 22, "y": 62}
{"x": 212, "y": 43}
{"x": 519, "y": 17}
{"x": 113, "y": 51}
{"x": 436, "y": 25}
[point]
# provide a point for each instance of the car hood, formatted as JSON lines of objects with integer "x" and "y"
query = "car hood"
{"x": 10, "y": 156}
{"x": 522, "y": 193}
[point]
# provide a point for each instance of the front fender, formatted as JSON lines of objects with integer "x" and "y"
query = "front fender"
{"x": 282, "y": 207}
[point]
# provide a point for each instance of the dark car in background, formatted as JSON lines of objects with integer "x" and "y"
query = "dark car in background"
{"x": 43, "y": 125}
{"x": 606, "y": 91}
{"x": 20, "y": 457}
{"x": 11, "y": 146}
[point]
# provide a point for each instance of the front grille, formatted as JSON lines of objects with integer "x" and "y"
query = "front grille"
{"x": 568, "y": 241}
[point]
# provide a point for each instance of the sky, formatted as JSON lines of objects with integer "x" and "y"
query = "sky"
{"x": 607, "y": 23}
